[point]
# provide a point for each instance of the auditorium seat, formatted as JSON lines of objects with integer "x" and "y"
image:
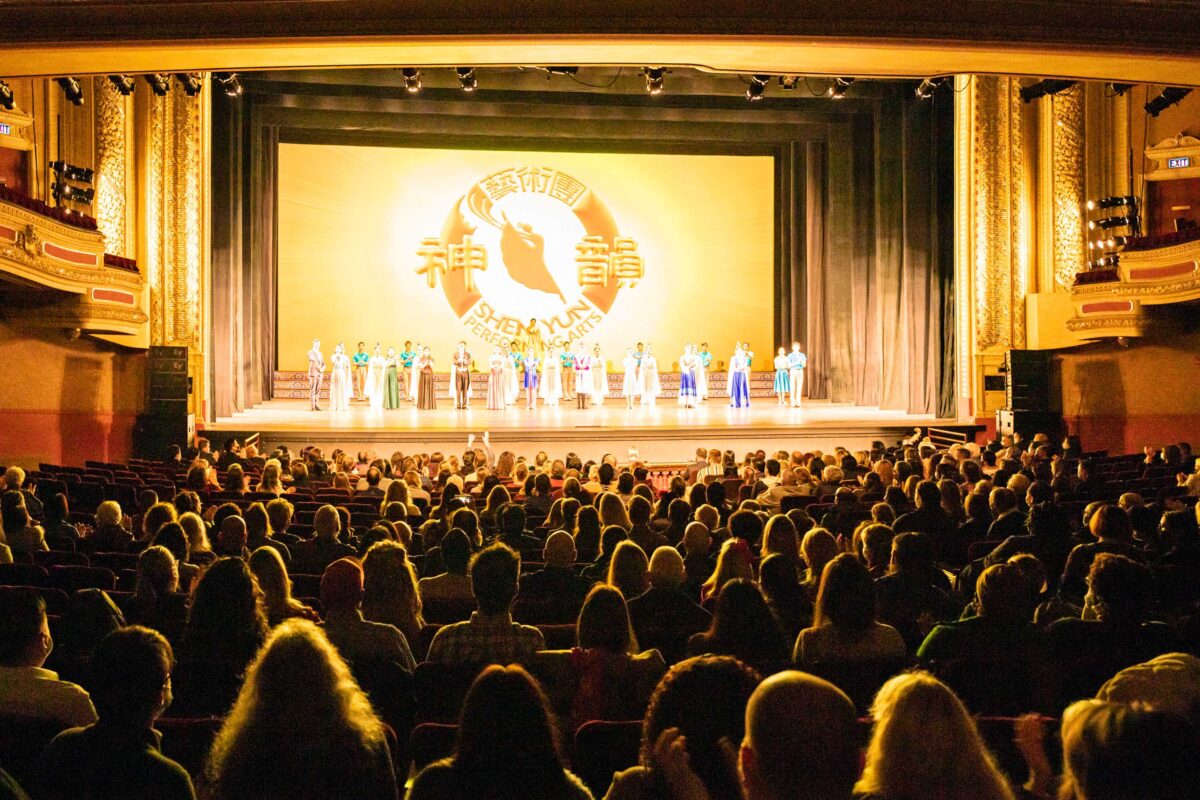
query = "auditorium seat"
{"x": 603, "y": 748}
{"x": 429, "y": 742}
{"x": 73, "y": 578}
{"x": 22, "y": 575}
{"x": 22, "y": 740}
{"x": 860, "y": 680}
{"x": 306, "y": 585}
{"x": 50, "y": 558}
{"x": 187, "y": 740}
{"x": 444, "y": 612}
{"x": 56, "y": 600}
{"x": 558, "y": 637}
{"x": 114, "y": 561}
{"x": 439, "y": 690}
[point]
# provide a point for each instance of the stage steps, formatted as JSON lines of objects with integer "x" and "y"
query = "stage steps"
{"x": 293, "y": 384}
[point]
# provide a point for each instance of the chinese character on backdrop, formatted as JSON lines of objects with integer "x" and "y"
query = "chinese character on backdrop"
{"x": 434, "y": 253}
{"x": 626, "y": 265}
{"x": 591, "y": 259}
{"x": 468, "y": 257}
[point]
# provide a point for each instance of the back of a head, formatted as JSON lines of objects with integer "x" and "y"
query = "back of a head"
{"x": 777, "y": 577}
{"x": 1002, "y": 499}
{"x": 128, "y": 673}
{"x": 1111, "y": 523}
{"x": 494, "y": 574}
{"x": 666, "y": 567}
{"x": 928, "y": 495}
{"x": 819, "y": 548}
{"x": 1121, "y": 589}
{"x": 1004, "y": 593}
{"x": 22, "y": 614}
{"x": 639, "y": 511}
{"x": 746, "y": 525}
{"x": 628, "y": 569}
{"x": 1113, "y": 751}
{"x": 559, "y": 550}
{"x": 610, "y": 537}
{"x": 801, "y": 739}
{"x": 604, "y": 622}
{"x": 225, "y": 607}
{"x": 625, "y": 482}
{"x": 513, "y": 518}
{"x": 846, "y": 597}
{"x": 912, "y": 551}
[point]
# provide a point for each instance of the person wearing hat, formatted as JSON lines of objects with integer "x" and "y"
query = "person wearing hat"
{"x": 357, "y": 640}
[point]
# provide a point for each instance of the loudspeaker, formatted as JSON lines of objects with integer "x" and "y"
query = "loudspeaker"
{"x": 166, "y": 420}
{"x": 153, "y": 433}
{"x": 1027, "y": 380}
{"x": 1027, "y": 423}
{"x": 167, "y": 376}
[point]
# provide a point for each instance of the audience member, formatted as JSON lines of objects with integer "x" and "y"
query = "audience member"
{"x": 664, "y": 617}
{"x": 743, "y": 627}
{"x": 628, "y": 569}
{"x": 156, "y": 602}
{"x": 453, "y": 585}
{"x": 363, "y": 644}
{"x": 554, "y": 594}
{"x": 272, "y": 576}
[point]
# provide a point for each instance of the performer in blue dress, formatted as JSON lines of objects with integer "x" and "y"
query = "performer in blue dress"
{"x": 739, "y": 379}
{"x": 797, "y": 361}
{"x": 782, "y": 384}
{"x": 689, "y": 365}
{"x": 530, "y": 363}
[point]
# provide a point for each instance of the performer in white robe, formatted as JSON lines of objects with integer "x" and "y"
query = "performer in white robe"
{"x": 340, "y": 386}
{"x": 376, "y": 378}
{"x": 551, "y": 388}
{"x": 516, "y": 369}
{"x": 706, "y": 360}
{"x": 414, "y": 374}
{"x": 509, "y": 372}
{"x": 629, "y": 386}
{"x": 599, "y": 377}
{"x": 648, "y": 385}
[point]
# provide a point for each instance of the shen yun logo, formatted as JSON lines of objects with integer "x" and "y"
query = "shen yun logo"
{"x": 530, "y": 242}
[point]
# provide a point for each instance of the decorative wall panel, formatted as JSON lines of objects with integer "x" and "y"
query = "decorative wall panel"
{"x": 1068, "y": 164}
{"x": 112, "y": 149}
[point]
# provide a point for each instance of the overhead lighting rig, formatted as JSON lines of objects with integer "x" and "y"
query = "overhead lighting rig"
{"x": 1049, "y": 86}
{"x": 229, "y": 83}
{"x": 654, "y": 79}
{"x": 757, "y": 87}
{"x": 1167, "y": 98}
{"x": 72, "y": 89}
{"x": 123, "y": 83}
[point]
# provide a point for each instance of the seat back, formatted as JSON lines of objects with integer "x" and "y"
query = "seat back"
{"x": 187, "y": 741}
{"x": 440, "y": 689}
{"x": 72, "y": 577}
{"x": 22, "y": 575}
{"x": 431, "y": 741}
{"x": 50, "y": 558}
{"x": 604, "y": 748}
{"x": 859, "y": 679}
{"x": 22, "y": 740}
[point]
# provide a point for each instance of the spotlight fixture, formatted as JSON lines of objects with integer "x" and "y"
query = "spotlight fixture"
{"x": 1123, "y": 221}
{"x": 654, "y": 79}
{"x": 757, "y": 87}
{"x": 66, "y": 193}
{"x": 1105, "y": 262}
{"x": 928, "y": 86}
{"x": 70, "y": 172}
{"x": 1119, "y": 88}
{"x": 1169, "y": 97}
{"x": 1115, "y": 201}
{"x": 838, "y": 90}
{"x": 160, "y": 83}
{"x": 7, "y": 101}
{"x": 466, "y": 78}
{"x": 562, "y": 70}
{"x": 191, "y": 83}
{"x": 229, "y": 83}
{"x": 72, "y": 89}
{"x": 1049, "y": 86}
{"x": 789, "y": 82}
{"x": 412, "y": 79}
{"x": 124, "y": 84}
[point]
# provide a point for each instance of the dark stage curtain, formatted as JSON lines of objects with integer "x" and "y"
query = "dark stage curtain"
{"x": 878, "y": 266}
{"x": 243, "y": 258}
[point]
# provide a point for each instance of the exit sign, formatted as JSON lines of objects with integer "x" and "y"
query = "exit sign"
{"x": 5, "y": 129}
{"x": 1182, "y": 162}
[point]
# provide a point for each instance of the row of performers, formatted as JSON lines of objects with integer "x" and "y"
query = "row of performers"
{"x": 388, "y": 379}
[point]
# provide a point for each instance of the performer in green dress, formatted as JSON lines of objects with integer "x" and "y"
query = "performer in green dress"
{"x": 391, "y": 381}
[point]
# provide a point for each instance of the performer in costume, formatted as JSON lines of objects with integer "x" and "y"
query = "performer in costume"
{"x": 705, "y": 359}
{"x": 749, "y": 355}
{"x": 497, "y": 391}
{"x": 639, "y": 353}
{"x": 316, "y": 369}
{"x": 340, "y": 380}
{"x": 376, "y": 376}
{"x": 797, "y": 361}
{"x": 426, "y": 398}
{"x": 551, "y": 388}
{"x": 533, "y": 335}
{"x": 404, "y": 370}
{"x": 567, "y": 361}
{"x": 530, "y": 363}
{"x": 648, "y": 385}
{"x": 361, "y": 360}
{"x": 599, "y": 377}
{"x": 415, "y": 372}
{"x": 739, "y": 379}
{"x": 629, "y": 387}
{"x": 391, "y": 380}
{"x": 517, "y": 359}
{"x": 783, "y": 383}
{"x": 509, "y": 370}
{"x": 581, "y": 366}
{"x": 460, "y": 376}
{"x": 689, "y": 365}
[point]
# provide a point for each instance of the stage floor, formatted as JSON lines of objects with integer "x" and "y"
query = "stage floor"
{"x": 663, "y": 432}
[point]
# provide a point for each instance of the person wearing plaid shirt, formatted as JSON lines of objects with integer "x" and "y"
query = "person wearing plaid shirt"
{"x": 490, "y": 636}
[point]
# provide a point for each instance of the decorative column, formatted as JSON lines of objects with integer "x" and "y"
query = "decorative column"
{"x": 115, "y": 192}
{"x": 1065, "y": 163}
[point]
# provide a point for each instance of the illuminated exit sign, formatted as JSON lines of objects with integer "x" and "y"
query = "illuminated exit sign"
{"x": 5, "y": 129}
{"x": 1182, "y": 162}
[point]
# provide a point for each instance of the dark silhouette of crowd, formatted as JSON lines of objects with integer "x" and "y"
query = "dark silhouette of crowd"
{"x": 1020, "y": 619}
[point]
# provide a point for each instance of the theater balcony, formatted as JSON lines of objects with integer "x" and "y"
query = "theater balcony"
{"x": 57, "y": 275}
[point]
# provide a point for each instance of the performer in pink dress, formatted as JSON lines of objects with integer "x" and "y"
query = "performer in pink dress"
{"x": 497, "y": 380}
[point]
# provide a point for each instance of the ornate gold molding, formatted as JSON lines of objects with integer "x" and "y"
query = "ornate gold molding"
{"x": 112, "y": 144}
{"x": 1068, "y": 164}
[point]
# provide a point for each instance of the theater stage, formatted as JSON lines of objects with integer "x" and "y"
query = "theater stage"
{"x": 665, "y": 432}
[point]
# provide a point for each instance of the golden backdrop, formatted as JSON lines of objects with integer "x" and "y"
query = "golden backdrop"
{"x": 388, "y": 244}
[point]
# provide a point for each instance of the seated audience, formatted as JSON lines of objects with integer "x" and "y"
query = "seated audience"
{"x": 490, "y": 636}
{"x": 506, "y": 747}
{"x": 453, "y": 585}
{"x": 611, "y": 536}
{"x": 109, "y": 535}
{"x": 664, "y": 617}
{"x": 908, "y": 597}
{"x": 743, "y": 627}
{"x": 390, "y": 592}
{"x": 156, "y": 602}
{"x": 929, "y": 518}
{"x": 16, "y": 526}
{"x": 26, "y": 689}
{"x": 361, "y": 643}
{"x": 1113, "y": 533}
{"x": 844, "y": 626}
{"x": 312, "y": 556}
{"x": 780, "y": 586}
{"x": 554, "y": 594}
{"x": 301, "y": 727}
{"x": 272, "y": 576}
{"x": 640, "y": 532}
{"x": 119, "y": 757}
{"x": 57, "y": 521}
{"x": 735, "y": 561}
{"x": 627, "y": 569}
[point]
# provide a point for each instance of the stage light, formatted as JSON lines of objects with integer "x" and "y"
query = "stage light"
{"x": 70, "y": 172}
{"x": 466, "y": 79}
{"x": 65, "y": 193}
{"x": 7, "y": 101}
{"x": 1124, "y": 221}
{"x": 654, "y": 79}
{"x": 1119, "y": 89}
{"x": 562, "y": 70}
{"x": 72, "y": 89}
{"x": 124, "y": 84}
{"x": 190, "y": 82}
{"x": 838, "y": 90}
{"x": 1169, "y": 97}
{"x": 789, "y": 82}
{"x": 928, "y": 86}
{"x": 1049, "y": 86}
{"x": 758, "y": 85}
{"x": 1105, "y": 262}
{"x": 229, "y": 83}
{"x": 412, "y": 79}
{"x": 1115, "y": 201}
{"x": 160, "y": 83}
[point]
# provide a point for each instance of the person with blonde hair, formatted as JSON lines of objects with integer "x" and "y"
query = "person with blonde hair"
{"x": 925, "y": 744}
{"x": 390, "y": 589}
{"x": 628, "y": 570}
{"x": 397, "y": 492}
{"x": 271, "y": 481}
{"x": 268, "y": 567}
{"x": 613, "y": 512}
{"x": 733, "y": 562}
{"x": 199, "y": 548}
{"x": 497, "y": 499}
{"x": 819, "y": 548}
{"x": 301, "y": 727}
{"x": 780, "y": 537}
